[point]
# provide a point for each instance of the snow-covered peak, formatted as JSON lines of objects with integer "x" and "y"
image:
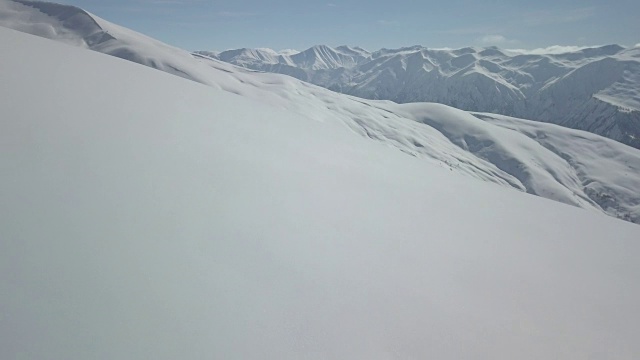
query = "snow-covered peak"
{"x": 466, "y": 50}
{"x": 246, "y": 56}
{"x": 322, "y": 57}
{"x": 319, "y": 57}
{"x": 491, "y": 52}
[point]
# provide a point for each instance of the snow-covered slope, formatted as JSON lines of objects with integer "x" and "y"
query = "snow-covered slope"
{"x": 593, "y": 89}
{"x": 144, "y": 216}
{"x": 75, "y": 26}
{"x": 606, "y": 178}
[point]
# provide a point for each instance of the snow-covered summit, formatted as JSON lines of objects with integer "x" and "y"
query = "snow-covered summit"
{"x": 320, "y": 57}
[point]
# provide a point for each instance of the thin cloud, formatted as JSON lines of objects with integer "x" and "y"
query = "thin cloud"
{"x": 171, "y": 2}
{"x": 156, "y": 6}
{"x": 554, "y": 49}
{"x": 332, "y": 5}
{"x": 288, "y": 52}
{"x": 469, "y": 31}
{"x": 234, "y": 14}
{"x": 387, "y": 22}
{"x": 496, "y": 39}
{"x": 548, "y": 17}
{"x": 490, "y": 39}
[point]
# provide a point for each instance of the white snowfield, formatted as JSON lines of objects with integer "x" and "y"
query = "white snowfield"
{"x": 144, "y": 216}
{"x": 595, "y": 89}
{"x": 573, "y": 167}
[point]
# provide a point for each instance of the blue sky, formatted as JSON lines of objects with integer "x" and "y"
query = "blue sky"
{"x": 374, "y": 24}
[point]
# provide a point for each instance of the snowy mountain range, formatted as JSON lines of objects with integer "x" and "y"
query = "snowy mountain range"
{"x": 594, "y": 89}
{"x": 572, "y": 167}
{"x": 249, "y": 215}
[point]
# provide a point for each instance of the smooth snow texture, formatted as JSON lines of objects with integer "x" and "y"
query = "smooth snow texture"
{"x": 148, "y": 217}
{"x": 605, "y": 181}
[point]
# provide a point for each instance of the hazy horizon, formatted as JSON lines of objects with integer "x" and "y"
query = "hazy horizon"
{"x": 285, "y": 24}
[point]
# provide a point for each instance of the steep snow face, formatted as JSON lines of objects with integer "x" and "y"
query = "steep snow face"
{"x": 53, "y": 21}
{"x": 592, "y": 89}
{"x": 599, "y": 180}
{"x": 148, "y": 217}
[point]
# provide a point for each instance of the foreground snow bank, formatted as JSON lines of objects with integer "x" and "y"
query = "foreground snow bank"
{"x": 148, "y": 217}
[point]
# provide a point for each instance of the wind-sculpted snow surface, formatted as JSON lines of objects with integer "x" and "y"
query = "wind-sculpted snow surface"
{"x": 144, "y": 216}
{"x": 613, "y": 185}
{"x": 53, "y": 21}
{"x": 75, "y": 26}
{"x": 575, "y": 168}
{"x": 594, "y": 89}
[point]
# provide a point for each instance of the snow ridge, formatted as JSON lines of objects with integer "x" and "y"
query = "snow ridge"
{"x": 593, "y": 89}
{"x": 54, "y": 21}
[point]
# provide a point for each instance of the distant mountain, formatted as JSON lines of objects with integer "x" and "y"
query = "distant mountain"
{"x": 593, "y": 89}
{"x": 564, "y": 165}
